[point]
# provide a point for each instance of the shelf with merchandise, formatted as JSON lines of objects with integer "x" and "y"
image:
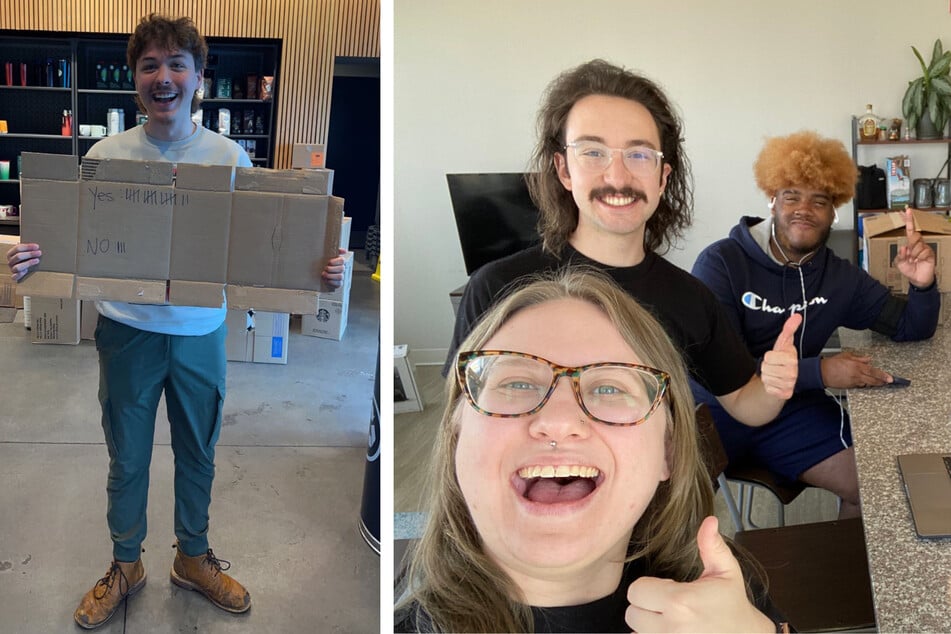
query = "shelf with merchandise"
{"x": 872, "y": 149}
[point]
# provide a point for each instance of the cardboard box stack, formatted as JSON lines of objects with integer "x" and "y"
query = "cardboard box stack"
{"x": 330, "y": 322}
{"x": 257, "y": 336}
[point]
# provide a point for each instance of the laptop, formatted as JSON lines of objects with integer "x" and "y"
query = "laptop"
{"x": 928, "y": 487}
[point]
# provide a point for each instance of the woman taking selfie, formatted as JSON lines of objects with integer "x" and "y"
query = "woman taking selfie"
{"x": 579, "y": 504}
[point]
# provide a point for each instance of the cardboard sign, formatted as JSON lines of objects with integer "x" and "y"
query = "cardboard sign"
{"x": 142, "y": 231}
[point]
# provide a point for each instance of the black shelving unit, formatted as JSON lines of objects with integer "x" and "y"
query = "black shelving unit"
{"x": 34, "y": 111}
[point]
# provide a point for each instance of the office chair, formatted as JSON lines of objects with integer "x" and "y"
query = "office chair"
{"x": 818, "y": 572}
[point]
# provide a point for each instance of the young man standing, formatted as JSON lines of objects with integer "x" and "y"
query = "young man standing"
{"x": 770, "y": 269}
{"x": 147, "y": 349}
{"x": 612, "y": 185}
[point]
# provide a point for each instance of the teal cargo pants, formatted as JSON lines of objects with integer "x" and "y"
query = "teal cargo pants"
{"x": 135, "y": 367}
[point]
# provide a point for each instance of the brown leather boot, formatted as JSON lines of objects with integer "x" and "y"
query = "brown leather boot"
{"x": 204, "y": 574}
{"x": 99, "y": 604}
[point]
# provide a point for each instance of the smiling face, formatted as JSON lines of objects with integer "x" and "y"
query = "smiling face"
{"x": 564, "y": 512}
{"x": 802, "y": 220}
{"x": 613, "y": 201}
{"x": 165, "y": 82}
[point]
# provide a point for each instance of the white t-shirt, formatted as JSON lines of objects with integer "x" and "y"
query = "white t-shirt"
{"x": 203, "y": 146}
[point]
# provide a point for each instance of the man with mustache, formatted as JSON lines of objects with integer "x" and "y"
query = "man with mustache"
{"x": 770, "y": 269}
{"x": 612, "y": 185}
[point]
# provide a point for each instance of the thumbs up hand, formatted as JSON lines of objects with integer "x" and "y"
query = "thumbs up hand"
{"x": 915, "y": 260}
{"x": 714, "y": 602}
{"x": 780, "y": 366}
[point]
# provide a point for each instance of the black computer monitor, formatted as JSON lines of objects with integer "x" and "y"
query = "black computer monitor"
{"x": 494, "y": 214}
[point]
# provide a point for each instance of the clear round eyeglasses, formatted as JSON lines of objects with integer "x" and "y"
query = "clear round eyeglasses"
{"x": 596, "y": 157}
{"x": 507, "y": 384}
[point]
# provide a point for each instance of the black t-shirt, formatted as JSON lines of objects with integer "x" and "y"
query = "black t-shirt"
{"x": 694, "y": 320}
{"x": 602, "y": 615}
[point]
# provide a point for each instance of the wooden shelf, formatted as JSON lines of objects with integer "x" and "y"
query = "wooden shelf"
{"x": 881, "y": 211}
{"x": 905, "y": 142}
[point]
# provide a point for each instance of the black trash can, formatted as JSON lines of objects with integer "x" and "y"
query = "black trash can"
{"x": 370, "y": 508}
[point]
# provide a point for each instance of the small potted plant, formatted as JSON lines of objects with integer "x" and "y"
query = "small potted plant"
{"x": 927, "y": 101}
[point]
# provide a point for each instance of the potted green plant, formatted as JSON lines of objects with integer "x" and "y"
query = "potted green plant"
{"x": 928, "y": 98}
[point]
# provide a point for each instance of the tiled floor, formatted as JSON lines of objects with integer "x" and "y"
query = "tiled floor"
{"x": 292, "y": 447}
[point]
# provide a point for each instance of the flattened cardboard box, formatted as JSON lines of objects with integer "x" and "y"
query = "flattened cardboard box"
{"x": 885, "y": 233}
{"x": 272, "y": 237}
{"x": 125, "y": 226}
{"x": 49, "y": 194}
{"x": 135, "y": 232}
{"x": 200, "y": 231}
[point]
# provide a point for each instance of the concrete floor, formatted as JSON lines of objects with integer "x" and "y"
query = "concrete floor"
{"x": 292, "y": 448}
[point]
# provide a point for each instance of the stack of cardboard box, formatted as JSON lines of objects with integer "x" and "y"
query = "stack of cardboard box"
{"x": 330, "y": 321}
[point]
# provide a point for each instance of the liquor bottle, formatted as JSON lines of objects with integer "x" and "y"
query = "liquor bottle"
{"x": 67, "y": 127}
{"x": 868, "y": 124}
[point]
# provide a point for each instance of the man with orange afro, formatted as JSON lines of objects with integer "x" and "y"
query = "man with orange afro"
{"x": 769, "y": 269}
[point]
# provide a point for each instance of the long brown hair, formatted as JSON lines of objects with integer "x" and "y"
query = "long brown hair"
{"x": 451, "y": 584}
{"x": 558, "y": 213}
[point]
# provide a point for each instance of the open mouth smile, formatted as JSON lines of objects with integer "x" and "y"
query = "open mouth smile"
{"x": 557, "y": 484}
{"x": 164, "y": 97}
{"x": 618, "y": 197}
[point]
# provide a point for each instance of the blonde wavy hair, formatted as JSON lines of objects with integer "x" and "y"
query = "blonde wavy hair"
{"x": 805, "y": 159}
{"x": 450, "y": 584}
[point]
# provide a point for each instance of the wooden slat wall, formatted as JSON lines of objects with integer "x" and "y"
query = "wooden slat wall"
{"x": 314, "y": 32}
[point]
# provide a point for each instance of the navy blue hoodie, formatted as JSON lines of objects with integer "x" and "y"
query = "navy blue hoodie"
{"x": 759, "y": 295}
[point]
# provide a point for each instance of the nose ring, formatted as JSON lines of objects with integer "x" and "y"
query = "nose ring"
{"x": 553, "y": 444}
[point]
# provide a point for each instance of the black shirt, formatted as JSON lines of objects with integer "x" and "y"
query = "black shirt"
{"x": 602, "y": 615}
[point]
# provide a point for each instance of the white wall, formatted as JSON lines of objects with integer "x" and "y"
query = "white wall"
{"x": 468, "y": 77}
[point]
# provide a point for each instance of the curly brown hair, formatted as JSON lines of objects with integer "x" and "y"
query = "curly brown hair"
{"x": 805, "y": 159}
{"x": 171, "y": 34}
{"x": 558, "y": 213}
